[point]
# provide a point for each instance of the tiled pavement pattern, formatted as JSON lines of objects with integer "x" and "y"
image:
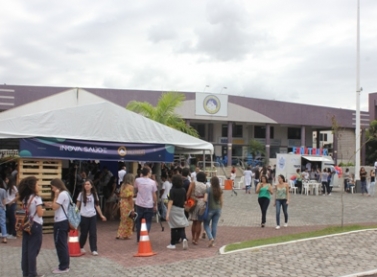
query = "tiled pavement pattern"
{"x": 240, "y": 221}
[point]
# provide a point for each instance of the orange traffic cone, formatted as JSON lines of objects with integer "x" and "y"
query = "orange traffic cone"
{"x": 145, "y": 248}
{"x": 73, "y": 244}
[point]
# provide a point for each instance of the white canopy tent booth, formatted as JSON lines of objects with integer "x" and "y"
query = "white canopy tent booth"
{"x": 80, "y": 115}
{"x": 78, "y": 125}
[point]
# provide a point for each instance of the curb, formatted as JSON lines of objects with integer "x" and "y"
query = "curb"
{"x": 360, "y": 274}
{"x": 222, "y": 248}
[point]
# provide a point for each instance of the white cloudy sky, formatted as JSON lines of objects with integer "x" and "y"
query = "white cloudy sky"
{"x": 292, "y": 50}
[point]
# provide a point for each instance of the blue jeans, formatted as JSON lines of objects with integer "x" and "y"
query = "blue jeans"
{"x": 147, "y": 214}
{"x": 3, "y": 226}
{"x": 364, "y": 187}
{"x": 61, "y": 230}
{"x": 214, "y": 216}
{"x": 283, "y": 203}
{"x": 31, "y": 244}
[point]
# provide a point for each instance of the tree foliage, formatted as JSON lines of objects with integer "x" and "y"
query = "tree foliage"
{"x": 255, "y": 148}
{"x": 371, "y": 145}
{"x": 164, "y": 111}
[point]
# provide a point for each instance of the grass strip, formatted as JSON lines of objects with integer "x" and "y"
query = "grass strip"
{"x": 324, "y": 232}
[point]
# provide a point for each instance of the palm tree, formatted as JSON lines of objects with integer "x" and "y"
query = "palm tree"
{"x": 164, "y": 111}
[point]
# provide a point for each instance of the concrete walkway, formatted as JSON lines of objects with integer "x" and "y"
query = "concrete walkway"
{"x": 332, "y": 256}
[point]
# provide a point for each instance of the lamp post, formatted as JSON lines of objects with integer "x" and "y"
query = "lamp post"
{"x": 223, "y": 89}
{"x": 358, "y": 89}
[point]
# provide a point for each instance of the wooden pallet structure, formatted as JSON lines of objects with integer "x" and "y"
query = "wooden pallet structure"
{"x": 45, "y": 171}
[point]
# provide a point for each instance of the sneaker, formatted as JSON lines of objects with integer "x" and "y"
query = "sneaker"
{"x": 82, "y": 250}
{"x": 286, "y": 225}
{"x": 95, "y": 253}
{"x": 184, "y": 244}
{"x": 58, "y": 271}
{"x": 170, "y": 246}
{"x": 329, "y": 194}
{"x": 277, "y": 227}
{"x": 11, "y": 237}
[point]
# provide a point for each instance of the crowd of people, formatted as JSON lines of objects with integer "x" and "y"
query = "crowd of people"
{"x": 140, "y": 196}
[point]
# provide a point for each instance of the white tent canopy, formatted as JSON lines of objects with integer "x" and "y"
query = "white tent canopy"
{"x": 79, "y": 114}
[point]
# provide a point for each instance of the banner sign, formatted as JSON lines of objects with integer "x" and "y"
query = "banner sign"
{"x": 94, "y": 150}
{"x": 310, "y": 151}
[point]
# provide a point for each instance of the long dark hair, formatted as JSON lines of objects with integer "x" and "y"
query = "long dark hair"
{"x": 27, "y": 187}
{"x": 93, "y": 191}
{"x": 11, "y": 183}
{"x": 216, "y": 190}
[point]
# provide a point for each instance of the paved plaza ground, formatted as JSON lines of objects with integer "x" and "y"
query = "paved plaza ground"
{"x": 333, "y": 256}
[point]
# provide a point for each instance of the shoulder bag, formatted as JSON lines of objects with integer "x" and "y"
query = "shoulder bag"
{"x": 73, "y": 215}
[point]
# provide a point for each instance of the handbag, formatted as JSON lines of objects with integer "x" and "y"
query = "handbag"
{"x": 133, "y": 215}
{"x": 204, "y": 215}
{"x": 190, "y": 205}
{"x": 73, "y": 215}
{"x": 24, "y": 221}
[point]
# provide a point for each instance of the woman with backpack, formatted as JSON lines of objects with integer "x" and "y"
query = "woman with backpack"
{"x": 88, "y": 203}
{"x": 31, "y": 243}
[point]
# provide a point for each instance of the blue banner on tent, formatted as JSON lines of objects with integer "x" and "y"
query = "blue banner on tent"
{"x": 94, "y": 150}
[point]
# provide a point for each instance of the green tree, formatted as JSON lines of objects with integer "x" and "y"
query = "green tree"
{"x": 164, "y": 111}
{"x": 371, "y": 143}
{"x": 255, "y": 148}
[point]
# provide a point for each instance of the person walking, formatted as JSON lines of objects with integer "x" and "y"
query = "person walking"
{"x": 31, "y": 242}
{"x": 146, "y": 199}
{"x": 372, "y": 186}
{"x": 11, "y": 205}
{"x": 126, "y": 206}
{"x": 175, "y": 215}
{"x": 197, "y": 191}
{"x": 325, "y": 185}
{"x": 363, "y": 181}
{"x": 281, "y": 200}
{"x": 215, "y": 203}
{"x": 88, "y": 203}
{"x": 60, "y": 203}
{"x": 264, "y": 191}
{"x": 248, "y": 176}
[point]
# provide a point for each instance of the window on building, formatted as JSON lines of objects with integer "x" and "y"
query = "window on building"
{"x": 237, "y": 131}
{"x": 200, "y": 128}
{"x": 260, "y": 132}
{"x": 294, "y": 133}
{"x": 224, "y": 131}
{"x": 322, "y": 137}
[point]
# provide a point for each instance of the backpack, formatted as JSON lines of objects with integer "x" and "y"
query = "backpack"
{"x": 73, "y": 215}
{"x": 24, "y": 221}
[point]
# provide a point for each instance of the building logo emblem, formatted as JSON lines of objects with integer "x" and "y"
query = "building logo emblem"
{"x": 211, "y": 104}
{"x": 122, "y": 151}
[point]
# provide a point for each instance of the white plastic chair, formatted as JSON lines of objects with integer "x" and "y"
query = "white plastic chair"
{"x": 240, "y": 182}
{"x": 305, "y": 188}
{"x": 292, "y": 187}
{"x": 222, "y": 180}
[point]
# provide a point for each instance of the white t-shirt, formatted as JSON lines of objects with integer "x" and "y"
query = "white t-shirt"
{"x": 121, "y": 174}
{"x": 88, "y": 210}
{"x": 11, "y": 196}
{"x": 37, "y": 201}
{"x": 64, "y": 201}
{"x": 166, "y": 186}
{"x": 193, "y": 176}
